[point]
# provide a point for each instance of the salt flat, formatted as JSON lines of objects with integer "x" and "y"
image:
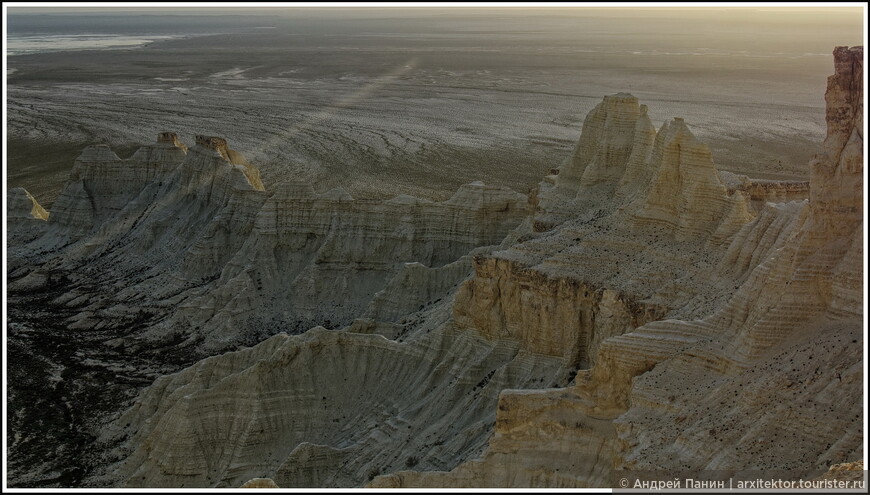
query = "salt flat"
{"x": 420, "y": 104}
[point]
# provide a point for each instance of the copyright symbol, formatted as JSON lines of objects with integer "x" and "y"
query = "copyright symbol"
{"x": 623, "y": 482}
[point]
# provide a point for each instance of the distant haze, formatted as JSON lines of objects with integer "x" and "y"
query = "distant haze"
{"x": 414, "y": 100}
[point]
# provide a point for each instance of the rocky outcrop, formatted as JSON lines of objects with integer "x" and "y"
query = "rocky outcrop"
{"x": 763, "y": 191}
{"x": 710, "y": 329}
{"x": 548, "y": 314}
{"x": 177, "y": 253}
{"x": 321, "y": 259}
{"x": 222, "y": 262}
{"x": 25, "y": 217}
{"x": 845, "y": 471}
{"x": 219, "y": 145}
{"x": 21, "y": 205}
{"x": 779, "y": 361}
{"x": 324, "y": 408}
{"x": 171, "y": 138}
{"x": 605, "y": 145}
{"x": 627, "y": 232}
{"x": 149, "y": 228}
{"x": 686, "y": 195}
{"x": 259, "y": 483}
{"x": 187, "y": 254}
{"x": 101, "y": 184}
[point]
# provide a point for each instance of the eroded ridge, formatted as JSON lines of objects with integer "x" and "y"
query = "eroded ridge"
{"x": 179, "y": 253}
{"x": 769, "y": 382}
{"x": 641, "y": 311}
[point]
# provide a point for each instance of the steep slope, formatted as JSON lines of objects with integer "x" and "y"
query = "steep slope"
{"x": 662, "y": 288}
{"x": 320, "y": 259}
{"x": 131, "y": 235}
{"x": 22, "y": 206}
{"x": 175, "y": 254}
{"x": 24, "y": 215}
{"x": 192, "y": 237}
{"x": 768, "y": 384}
{"x": 325, "y": 408}
{"x": 626, "y": 237}
{"x": 628, "y": 232}
{"x": 567, "y": 320}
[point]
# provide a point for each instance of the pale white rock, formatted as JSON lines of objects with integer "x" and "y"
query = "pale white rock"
{"x": 686, "y": 194}
{"x": 314, "y": 259}
{"x": 157, "y": 224}
{"x": 708, "y": 328}
{"x": 605, "y": 144}
{"x": 762, "y": 191}
{"x": 329, "y": 408}
{"x": 768, "y": 381}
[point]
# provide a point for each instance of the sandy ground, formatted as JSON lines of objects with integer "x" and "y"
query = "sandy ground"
{"x": 386, "y": 113}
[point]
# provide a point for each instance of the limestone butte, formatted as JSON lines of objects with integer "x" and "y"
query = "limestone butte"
{"x": 641, "y": 311}
{"x": 228, "y": 262}
{"x": 770, "y": 382}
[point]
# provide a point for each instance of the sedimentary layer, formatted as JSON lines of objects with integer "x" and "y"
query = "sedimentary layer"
{"x": 327, "y": 408}
{"x": 192, "y": 235}
{"x": 638, "y": 289}
{"x": 767, "y": 383}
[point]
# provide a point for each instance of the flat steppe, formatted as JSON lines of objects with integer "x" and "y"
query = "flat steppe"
{"x": 392, "y": 105}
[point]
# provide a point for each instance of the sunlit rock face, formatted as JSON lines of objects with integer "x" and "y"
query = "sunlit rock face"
{"x": 26, "y": 218}
{"x": 629, "y": 231}
{"x": 321, "y": 259}
{"x": 640, "y": 311}
{"x": 187, "y": 240}
{"x": 260, "y": 483}
{"x": 192, "y": 233}
{"x": 767, "y": 380}
{"x": 326, "y": 408}
{"x": 22, "y": 206}
{"x": 660, "y": 178}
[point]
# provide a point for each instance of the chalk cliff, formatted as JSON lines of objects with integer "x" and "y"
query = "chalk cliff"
{"x": 639, "y": 312}
{"x": 768, "y": 382}
{"x": 181, "y": 250}
{"x": 193, "y": 234}
{"x": 320, "y": 259}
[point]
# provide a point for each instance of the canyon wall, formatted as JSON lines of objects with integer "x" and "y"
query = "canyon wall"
{"x": 640, "y": 312}
{"x": 767, "y": 384}
{"x": 192, "y": 236}
{"x": 320, "y": 259}
{"x": 178, "y": 253}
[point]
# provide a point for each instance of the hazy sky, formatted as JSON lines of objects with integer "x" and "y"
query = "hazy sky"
{"x": 848, "y": 19}
{"x": 784, "y": 13}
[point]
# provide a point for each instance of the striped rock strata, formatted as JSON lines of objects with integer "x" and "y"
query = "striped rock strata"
{"x": 767, "y": 384}
{"x": 642, "y": 270}
{"x": 190, "y": 237}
